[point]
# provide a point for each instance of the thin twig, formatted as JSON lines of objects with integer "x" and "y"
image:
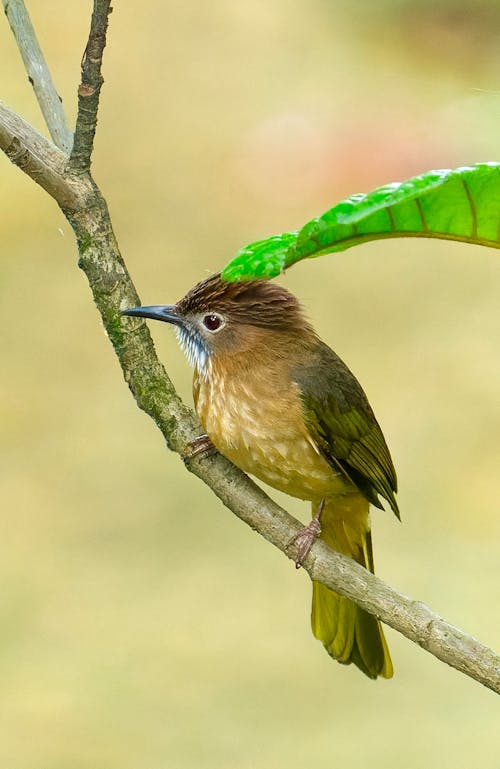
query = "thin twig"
{"x": 112, "y": 288}
{"x": 90, "y": 87}
{"x": 39, "y": 74}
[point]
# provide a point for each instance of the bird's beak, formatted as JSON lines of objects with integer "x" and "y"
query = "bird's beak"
{"x": 168, "y": 313}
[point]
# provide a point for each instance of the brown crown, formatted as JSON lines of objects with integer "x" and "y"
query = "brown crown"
{"x": 255, "y": 302}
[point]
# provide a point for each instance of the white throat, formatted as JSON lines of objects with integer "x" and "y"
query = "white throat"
{"x": 195, "y": 350}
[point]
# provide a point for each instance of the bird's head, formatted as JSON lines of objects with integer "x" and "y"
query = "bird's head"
{"x": 217, "y": 318}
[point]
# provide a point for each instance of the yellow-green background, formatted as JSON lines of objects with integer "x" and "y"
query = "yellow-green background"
{"x": 142, "y": 626}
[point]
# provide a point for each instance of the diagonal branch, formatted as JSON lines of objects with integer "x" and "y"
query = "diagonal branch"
{"x": 37, "y": 156}
{"x": 39, "y": 73}
{"x": 112, "y": 289}
{"x": 90, "y": 87}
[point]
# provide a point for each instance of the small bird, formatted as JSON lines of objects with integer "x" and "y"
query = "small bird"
{"x": 279, "y": 403}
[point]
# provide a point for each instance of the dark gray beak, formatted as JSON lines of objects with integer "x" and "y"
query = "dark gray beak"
{"x": 168, "y": 313}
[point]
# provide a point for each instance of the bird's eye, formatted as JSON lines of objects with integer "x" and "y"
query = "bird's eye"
{"x": 212, "y": 322}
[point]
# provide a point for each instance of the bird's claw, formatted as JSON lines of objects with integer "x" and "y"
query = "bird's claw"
{"x": 200, "y": 445}
{"x": 303, "y": 541}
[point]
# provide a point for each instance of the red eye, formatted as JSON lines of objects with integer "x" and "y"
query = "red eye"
{"x": 212, "y": 322}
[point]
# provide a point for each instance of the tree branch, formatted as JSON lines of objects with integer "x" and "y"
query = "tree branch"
{"x": 39, "y": 73}
{"x": 38, "y": 157}
{"x": 90, "y": 87}
{"x": 113, "y": 290}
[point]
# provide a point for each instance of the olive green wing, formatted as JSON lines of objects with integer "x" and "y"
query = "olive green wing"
{"x": 343, "y": 426}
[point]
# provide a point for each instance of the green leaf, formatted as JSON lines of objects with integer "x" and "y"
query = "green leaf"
{"x": 461, "y": 204}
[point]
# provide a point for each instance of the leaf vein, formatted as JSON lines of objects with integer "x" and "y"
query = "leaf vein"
{"x": 420, "y": 210}
{"x": 472, "y": 207}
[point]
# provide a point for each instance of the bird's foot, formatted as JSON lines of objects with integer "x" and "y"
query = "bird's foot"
{"x": 303, "y": 541}
{"x": 201, "y": 445}
{"x": 305, "y": 538}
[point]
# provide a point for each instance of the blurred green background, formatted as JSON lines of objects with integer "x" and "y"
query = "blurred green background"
{"x": 142, "y": 625}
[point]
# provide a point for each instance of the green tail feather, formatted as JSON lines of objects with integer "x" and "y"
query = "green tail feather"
{"x": 348, "y": 633}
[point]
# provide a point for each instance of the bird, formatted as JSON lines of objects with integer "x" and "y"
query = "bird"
{"x": 275, "y": 400}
